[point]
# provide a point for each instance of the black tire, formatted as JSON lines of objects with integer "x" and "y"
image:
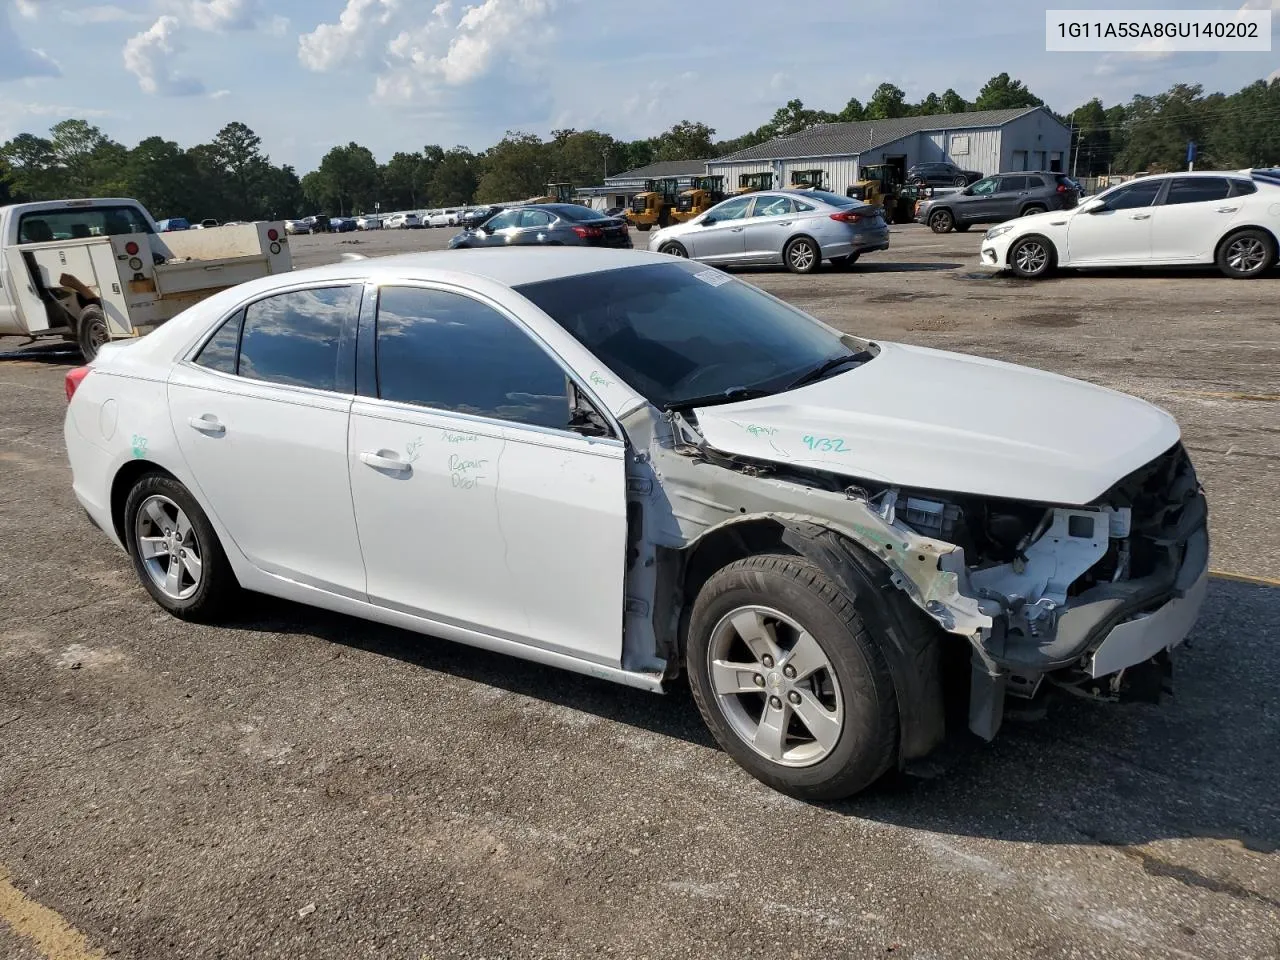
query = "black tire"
{"x": 960, "y": 182}
{"x": 212, "y": 599}
{"x": 674, "y": 249}
{"x": 844, "y": 263}
{"x": 1246, "y": 254}
{"x": 1032, "y": 209}
{"x": 1026, "y": 263}
{"x": 802, "y": 255}
{"x": 91, "y": 331}
{"x": 962, "y": 227}
{"x": 941, "y": 221}
{"x": 643, "y": 227}
{"x": 867, "y": 741}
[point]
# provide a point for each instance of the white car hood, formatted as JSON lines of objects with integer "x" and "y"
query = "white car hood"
{"x": 916, "y": 417}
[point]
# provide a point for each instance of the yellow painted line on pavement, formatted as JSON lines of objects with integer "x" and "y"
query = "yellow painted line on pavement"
{"x": 1245, "y": 578}
{"x": 52, "y": 936}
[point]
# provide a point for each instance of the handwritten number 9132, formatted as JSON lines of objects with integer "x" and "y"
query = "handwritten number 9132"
{"x": 826, "y": 444}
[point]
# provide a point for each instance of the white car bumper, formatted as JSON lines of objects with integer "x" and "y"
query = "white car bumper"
{"x": 995, "y": 251}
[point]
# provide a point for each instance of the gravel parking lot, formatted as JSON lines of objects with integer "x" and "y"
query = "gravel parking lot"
{"x": 302, "y": 785}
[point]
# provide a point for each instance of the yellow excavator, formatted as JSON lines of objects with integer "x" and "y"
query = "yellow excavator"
{"x": 881, "y": 184}
{"x": 703, "y": 194}
{"x": 752, "y": 182}
{"x": 653, "y": 207}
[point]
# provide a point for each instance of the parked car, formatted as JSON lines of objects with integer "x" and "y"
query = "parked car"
{"x": 444, "y": 218}
{"x": 615, "y": 212}
{"x": 173, "y": 223}
{"x": 476, "y": 216}
{"x": 546, "y": 224}
{"x": 317, "y": 223}
{"x": 295, "y": 227}
{"x": 800, "y": 228}
{"x": 403, "y": 221}
{"x": 999, "y": 198}
{"x": 941, "y": 174}
{"x": 696, "y": 479}
{"x": 1229, "y": 219}
{"x": 368, "y": 223}
{"x": 342, "y": 224}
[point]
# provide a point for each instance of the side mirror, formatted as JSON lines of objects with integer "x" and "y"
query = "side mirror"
{"x": 1095, "y": 206}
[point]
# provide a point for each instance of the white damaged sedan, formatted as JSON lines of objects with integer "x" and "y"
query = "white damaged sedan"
{"x": 638, "y": 467}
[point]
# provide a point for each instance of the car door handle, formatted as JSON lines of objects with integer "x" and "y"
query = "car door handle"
{"x": 784, "y": 223}
{"x": 737, "y": 229}
{"x": 1228, "y": 209}
{"x": 379, "y": 461}
{"x": 208, "y": 424}
{"x": 1141, "y": 216}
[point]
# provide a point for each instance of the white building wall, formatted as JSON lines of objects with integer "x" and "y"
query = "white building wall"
{"x": 731, "y": 171}
{"x": 1033, "y": 142}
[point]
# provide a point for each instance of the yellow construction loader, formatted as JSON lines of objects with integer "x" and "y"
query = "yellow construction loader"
{"x": 881, "y": 184}
{"x": 703, "y": 194}
{"x": 752, "y": 182}
{"x": 654, "y": 206}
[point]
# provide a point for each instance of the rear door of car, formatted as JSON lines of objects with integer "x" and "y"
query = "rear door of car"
{"x": 479, "y": 505}
{"x": 768, "y": 228}
{"x": 1193, "y": 216}
{"x": 260, "y": 412}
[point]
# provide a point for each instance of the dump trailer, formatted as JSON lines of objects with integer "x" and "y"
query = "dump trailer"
{"x": 97, "y": 270}
{"x": 753, "y": 182}
{"x": 703, "y": 194}
{"x": 654, "y": 206}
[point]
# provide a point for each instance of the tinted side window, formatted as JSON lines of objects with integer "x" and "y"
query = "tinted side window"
{"x": 1012, "y": 184}
{"x": 732, "y": 209}
{"x": 772, "y": 206}
{"x": 220, "y": 351}
{"x": 1034, "y": 182}
{"x": 502, "y": 221}
{"x": 450, "y": 352}
{"x": 1240, "y": 188}
{"x": 984, "y": 188}
{"x": 534, "y": 218}
{"x": 294, "y": 338}
{"x": 1139, "y": 195}
{"x": 1197, "y": 190}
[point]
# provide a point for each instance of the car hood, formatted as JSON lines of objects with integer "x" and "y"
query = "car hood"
{"x": 916, "y": 417}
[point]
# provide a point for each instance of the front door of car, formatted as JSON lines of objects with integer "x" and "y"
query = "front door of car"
{"x": 261, "y": 415}
{"x": 1192, "y": 218}
{"x": 479, "y": 505}
{"x": 977, "y": 202}
{"x": 1118, "y": 231}
{"x": 769, "y": 227}
{"x": 498, "y": 231}
{"x": 721, "y": 232}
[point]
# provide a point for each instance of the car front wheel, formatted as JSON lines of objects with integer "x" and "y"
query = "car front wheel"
{"x": 1032, "y": 257}
{"x": 674, "y": 249}
{"x": 942, "y": 222}
{"x": 175, "y": 551}
{"x": 788, "y": 679}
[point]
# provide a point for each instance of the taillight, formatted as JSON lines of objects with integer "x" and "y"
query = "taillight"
{"x": 74, "y": 376}
{"x": 589, "y": 233}
{"x": 131, "y": 248}
{"x": 1062, "y": 188}
{"x": 273, "y": 234}
{"x": 847, "y": 217}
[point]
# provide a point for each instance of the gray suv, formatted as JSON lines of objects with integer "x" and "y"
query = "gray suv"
{"x": 999, "y": 198}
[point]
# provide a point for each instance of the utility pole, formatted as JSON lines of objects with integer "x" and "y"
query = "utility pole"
{"x": 1075, "y": 162}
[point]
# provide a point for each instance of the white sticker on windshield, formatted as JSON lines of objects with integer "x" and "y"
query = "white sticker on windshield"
{"x": 714, "y": 277}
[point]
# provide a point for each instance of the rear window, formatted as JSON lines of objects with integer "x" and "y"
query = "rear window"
{"x": 833, "y": 199}
{"x": 1240, "y": 188}
{"x": 81, "y": 223}
{"x": 572, "y": 211}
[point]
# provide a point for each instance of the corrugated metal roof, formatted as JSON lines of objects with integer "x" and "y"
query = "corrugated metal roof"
{"x": 664, "y": 168}
{"x": 842, "y": 139}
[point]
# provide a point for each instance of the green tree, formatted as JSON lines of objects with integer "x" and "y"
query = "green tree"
{"x": 349, "y": 178}
{"x": 686, "y": 140}
{"x": 518, "y": 166}
{"x": 403, "y": 180}
{"x": 238, "y": 151}
{"x": 1003, "y": 93}
{"x": 887, "y": 102}
{"x": 929, "y": 106}
{"x": 78, "y": 148}
{"x": 163, "y": 176}
{"x": 32, "y": 167}
{"x": 583, "y": 157}
{"x": 853, "y": 110}
{"x": 454, "y": 181}
{"x": 795, "y": 117}
{"x": 952, "y": 102}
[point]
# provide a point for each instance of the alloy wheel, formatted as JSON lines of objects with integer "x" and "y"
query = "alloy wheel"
{"x": 775, "y": 686}
{"x": 802, "y": 255}
{"x": 1246, "y": 254}
{"x": 168, "y": 546}
{"x": 1031, "y": 257}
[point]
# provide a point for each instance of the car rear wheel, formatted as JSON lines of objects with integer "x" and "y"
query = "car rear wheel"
{"x": 959, "y": 182}
{"x": 1247, "y": 254}
{"x": 941, "y": 222}
{"x": 788, "y": 679}
{"x": 802, "y": 255}
{"x": 962, "y": 227}
{"x": 1032, "y": 257}
{"x": 91, "y": 331}
{"x": 1032, "y": 210}
{"x": 844, "y": 263}
{"x": 175, "y": 551}
{"x": 674, "y": 249}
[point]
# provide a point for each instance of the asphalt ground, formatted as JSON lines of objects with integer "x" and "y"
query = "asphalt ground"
{"x": 298, "y": 784}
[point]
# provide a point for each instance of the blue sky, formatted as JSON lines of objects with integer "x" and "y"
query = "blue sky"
{"x": 397, "y": 74}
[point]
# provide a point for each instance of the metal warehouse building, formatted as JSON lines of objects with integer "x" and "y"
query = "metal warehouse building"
{"x": 619, "y": 189}
{"x": 987, "y": 140}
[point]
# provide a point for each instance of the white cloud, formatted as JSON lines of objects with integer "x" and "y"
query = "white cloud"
{"x": 106, "y": 13}
{"x": 455, "y": 46}
{"x": 27, "y": 8}
{"x": 1275, "y": 77}
{"x": 219, "y": 94}
{"x": 149, "y": 55}
{"x": 1273, "y": 5}
{"x": 18, "y": 61}
{"x": 218, "y": 15}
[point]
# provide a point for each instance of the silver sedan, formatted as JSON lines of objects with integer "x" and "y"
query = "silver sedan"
{"x": 800, "y": 228}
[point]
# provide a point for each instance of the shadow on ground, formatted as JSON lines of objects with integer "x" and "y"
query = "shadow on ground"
{"x": 1202, "y": 764}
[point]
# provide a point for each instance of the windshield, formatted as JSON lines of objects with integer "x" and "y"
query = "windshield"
{"x": 679, "y": 331}
{"x": 79, "y": 223}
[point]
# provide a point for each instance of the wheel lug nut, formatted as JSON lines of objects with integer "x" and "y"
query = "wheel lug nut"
{"x": 793, "y": 697}
{"x": 789, "y": 672}
{"x": 775, "y": 703}
{"x": 759, "y": 680}
{"x": 767, "y": 661}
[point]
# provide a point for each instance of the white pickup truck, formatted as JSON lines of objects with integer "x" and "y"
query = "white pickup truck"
{"x": 98, "y": 270}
